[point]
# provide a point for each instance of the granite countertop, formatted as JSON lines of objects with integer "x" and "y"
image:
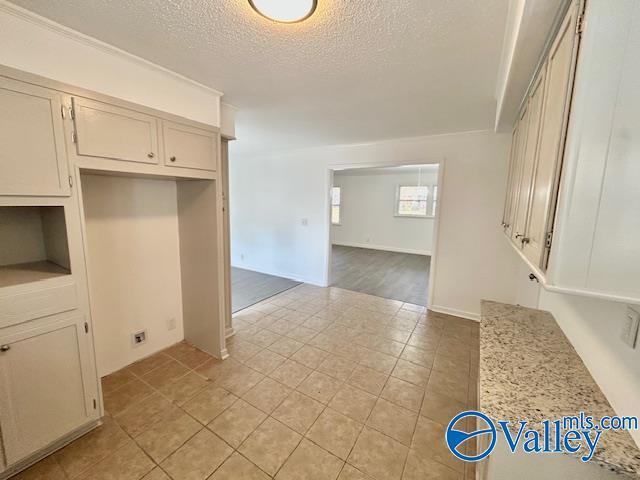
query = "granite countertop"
{"x": 530, "y": 371}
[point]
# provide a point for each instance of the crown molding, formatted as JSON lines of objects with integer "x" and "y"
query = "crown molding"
{"x": 40, "y": 21}
{"x": 228, "y": 105}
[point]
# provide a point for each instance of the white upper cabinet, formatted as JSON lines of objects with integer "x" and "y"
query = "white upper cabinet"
{"x": 515, "y": 172}
{"x": 32, "y": 149}
{"x": 523, "y": 191}
{"x": 581, "y": 187}
{"x": 560, "y": 68}
{"x": 110, "y": 131}
{"x": 189, "y": 147}
{"x": 508, "y": 204}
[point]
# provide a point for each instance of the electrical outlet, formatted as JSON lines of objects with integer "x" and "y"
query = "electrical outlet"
{"x": 304, "y": 222}
{"x": 242, "y": 256}
{"x": 630, "y": 329}
{"x": 172, "y": 324}
{"x": 139, "y": 338}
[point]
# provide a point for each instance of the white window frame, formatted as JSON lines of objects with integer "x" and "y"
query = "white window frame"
{"x": 430, "y": 202}
{"x": 339, "y": 205}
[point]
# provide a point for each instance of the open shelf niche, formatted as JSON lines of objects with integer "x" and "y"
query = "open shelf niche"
{"x": 33, "y": 244}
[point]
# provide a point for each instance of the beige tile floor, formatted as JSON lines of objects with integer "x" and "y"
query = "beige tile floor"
{"x": 321, "y": 383}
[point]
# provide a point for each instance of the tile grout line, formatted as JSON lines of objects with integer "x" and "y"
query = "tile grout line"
{"x": 325, "y": 405}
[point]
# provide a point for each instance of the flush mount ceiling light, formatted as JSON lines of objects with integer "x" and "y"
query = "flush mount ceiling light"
{"x": 285, "y": 11}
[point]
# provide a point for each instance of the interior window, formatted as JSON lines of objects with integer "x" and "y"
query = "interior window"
{"x": 335, "y": 205}
{"x": 412, "y": 201}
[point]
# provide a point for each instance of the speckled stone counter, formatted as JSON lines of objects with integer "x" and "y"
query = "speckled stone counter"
{"x": 529, "y": 370}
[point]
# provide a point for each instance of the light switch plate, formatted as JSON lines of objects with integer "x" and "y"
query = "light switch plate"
{"x": 630, "y": 330}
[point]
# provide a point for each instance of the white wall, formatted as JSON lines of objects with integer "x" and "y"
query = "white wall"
{"x": 270, "y": 195}
{"x": 594, "y": 326}
{"x": 368, "y": 211}
{"x": 54, "y": 232}
{"x": 134, "y": 266}
{"x": 515, "y": 15}
{"x": 528, "y": 291}
{"x": 21, "y": 233}
{"x": 37, "y": 45}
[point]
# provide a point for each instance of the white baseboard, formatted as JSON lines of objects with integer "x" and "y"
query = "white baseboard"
{"x": 295, "y": 278}
{"x": 457, "y": 313}
{"x": 382, "y": 247}
{"x": 229, "y": 332}
{"x": 49, "y": 449}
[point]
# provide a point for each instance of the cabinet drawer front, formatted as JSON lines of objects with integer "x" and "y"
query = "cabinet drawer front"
{"x": 43, "y": 394}
{"x": 108, "y": 131}
{"x": 189, "y": 147}
{"x": 32, "y": 154}
{"x": 30, "y": 303}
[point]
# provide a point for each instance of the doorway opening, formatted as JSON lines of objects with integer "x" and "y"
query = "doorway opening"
{"x": 248, "y": 285}
{"x": 383, "y": 230}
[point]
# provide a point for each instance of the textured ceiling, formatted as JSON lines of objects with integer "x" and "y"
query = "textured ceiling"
{"x": 356, "y": 71}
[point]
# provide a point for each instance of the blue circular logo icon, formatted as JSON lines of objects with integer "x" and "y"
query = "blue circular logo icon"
{"x": 456, "y": 438}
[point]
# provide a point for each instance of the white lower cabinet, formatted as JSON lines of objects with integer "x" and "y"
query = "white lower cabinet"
{"x": 47, "y": 384}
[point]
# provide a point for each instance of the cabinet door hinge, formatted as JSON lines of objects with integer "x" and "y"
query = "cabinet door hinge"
{"x": 86, "y": 327}
{"x": 95, "y": 404}
{"x": 70, "y": 181}
{"x": 580, "y": 22}
{"x": 72, "y": 113}
{"x": 548, "y": 240}
{"x": 74, "y": 137}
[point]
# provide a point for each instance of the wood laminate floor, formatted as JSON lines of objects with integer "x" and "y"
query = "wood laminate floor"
{"x": 399, "y": 276}
{"x": 248, "y": 287}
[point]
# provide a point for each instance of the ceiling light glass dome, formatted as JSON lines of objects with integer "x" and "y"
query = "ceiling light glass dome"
{"x": 285, "y": 11}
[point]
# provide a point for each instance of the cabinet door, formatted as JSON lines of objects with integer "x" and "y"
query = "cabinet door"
{"x": 32, "y": 153}
{"x": 520, "y": 140}
{"x": 528, "y": 160}
{"x": 555, "y": 112}
{"x": 44, "y": 389}
{"x": 108, "y": 131}
{"x": 189, "y": 147}
{"x": 511, "y": 180}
